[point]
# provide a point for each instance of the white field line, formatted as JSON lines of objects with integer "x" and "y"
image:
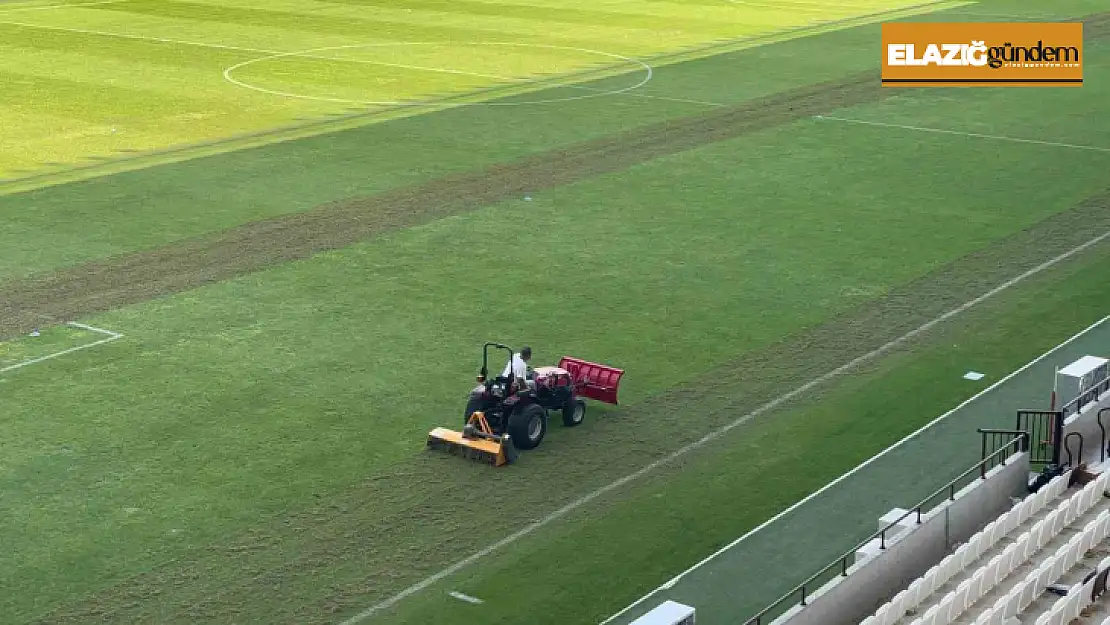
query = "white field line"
{"x": 94, "y": 329}
{"x": 112, "y": 336}
{"x": 670, "y": 584}
{"x": 308, "y": 55}
{"x": 715, "y": 434}
{"x": 219, "y": 46}
{"x": 46, "y": 7}
{"x": 467, "y": 598}
{"x": 1055, "y": 144}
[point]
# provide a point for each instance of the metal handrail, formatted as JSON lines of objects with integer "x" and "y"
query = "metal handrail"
{"x": 1102, "y": 446}
{"x": 1068, "y": 449}
{"x": 983, "y": 466}
{"x": 1088, "y": 396}
{"x": 842, "y": 561}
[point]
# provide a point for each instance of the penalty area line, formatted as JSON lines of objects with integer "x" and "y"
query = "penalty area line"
{"x": 719, "y": 432}
{"x": 110, "y": 336}
{"x": 1055, "y": 144}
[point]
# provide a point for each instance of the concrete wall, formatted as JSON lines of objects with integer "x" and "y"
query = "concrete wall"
{"x": 873, "y": 581}
{"x": 1086, "y": 424}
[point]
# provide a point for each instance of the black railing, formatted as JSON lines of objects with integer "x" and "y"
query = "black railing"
{"x": 1046, "y": 433}
{"x": 993, "y": 440}
{"x": 1102, "y": 428}
{"x": 1086, "y": 398}
{"x": 1067, "y": 448}
{"x": 801, "y": 592}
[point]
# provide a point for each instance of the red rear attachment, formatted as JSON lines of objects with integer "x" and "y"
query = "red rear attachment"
{"x": 592, "y": 380}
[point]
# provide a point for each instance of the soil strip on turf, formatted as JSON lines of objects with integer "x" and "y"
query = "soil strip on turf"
{"x": 99, "y": 286}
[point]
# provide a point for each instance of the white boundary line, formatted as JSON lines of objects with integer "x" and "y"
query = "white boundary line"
{"x": 863, "y": 465}
{"x": 307, "y": 54}
{"x": 648, "y": 72}
{"x": 112, "y": 336}
{"x": 715, "y": 434}
{"x": 45, "y": 7}
{"x": 94, "y": 329}
{"x": 1055, "y": 144}
{"x": 467, "y": 598}
{"x": 276, "y": 53}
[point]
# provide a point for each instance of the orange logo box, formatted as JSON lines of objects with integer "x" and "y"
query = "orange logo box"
{"x": 931, "y": 54}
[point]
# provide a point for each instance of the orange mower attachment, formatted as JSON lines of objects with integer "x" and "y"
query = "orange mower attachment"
{"x": 476, "y": 442}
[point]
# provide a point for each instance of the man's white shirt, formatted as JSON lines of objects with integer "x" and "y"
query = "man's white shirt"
{"x": 516, "y": 367}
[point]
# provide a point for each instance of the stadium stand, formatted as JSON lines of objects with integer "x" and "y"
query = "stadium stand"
{"x": 1052, "y": 539}
{"x": 1012, "y": 547}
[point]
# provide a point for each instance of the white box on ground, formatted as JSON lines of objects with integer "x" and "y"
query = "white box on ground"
{"x": 897, "y": 514}
{"x": 868, "y": 551}
{"x": 1086, "y": 372}
{"x": 668, "y": 613}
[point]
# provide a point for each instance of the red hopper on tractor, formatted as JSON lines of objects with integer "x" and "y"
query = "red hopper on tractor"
{"x": 503, "y": 416}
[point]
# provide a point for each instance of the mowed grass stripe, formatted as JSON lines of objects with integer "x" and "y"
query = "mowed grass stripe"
{"x": 719, "y": 20}
{"x": 356, "y": 28}
{"x": 349, "y": 550}
{"x": 92, "y": 102}
{"x": 343, "y": 119}
{"x": 86, "y": 289}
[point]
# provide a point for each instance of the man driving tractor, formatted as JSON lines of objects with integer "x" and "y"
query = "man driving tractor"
{"x": 518, "y": 368}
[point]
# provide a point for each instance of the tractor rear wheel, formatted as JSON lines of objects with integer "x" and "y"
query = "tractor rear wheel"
{"x": 574, "y": 413}
{"x": 528, "y": 426}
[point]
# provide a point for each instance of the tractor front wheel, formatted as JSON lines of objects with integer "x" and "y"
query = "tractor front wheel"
{"x": 474, "y": 404}
{"x": 574, "y": 413}
{"x": 528, "y": 426}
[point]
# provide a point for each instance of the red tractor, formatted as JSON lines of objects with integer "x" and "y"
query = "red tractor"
{"x": 502, "y": 415}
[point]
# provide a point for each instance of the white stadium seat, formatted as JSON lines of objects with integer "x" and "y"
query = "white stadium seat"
{"x": 1059, "y": 519}
{"x": 1036, "y": 534}
{"x": 898, "y": 607}
{"x": 1099, "y": 484}
{"x": 1013, "y": 601}
{"x": 1030, "y": 589}
{"x": 962, "y": 601}
{"x": 1010, "y": 559}
{"x": 930, "y": 584}
{"x": 977, "y": 589}
{"x": 1088, "y": 540}
{"x": 945, "y": 608}
{"x": 1103, "y": 526}
{"x": 1089, "y": 494}
{"x": 1066, "y": 507}
{"x": 930, "y": 617}
{"x": 1074, "y": 505}
{"x": 999, "y": 529}
{"x": 949, "y": 566}
{"x": 1073, "y": 551}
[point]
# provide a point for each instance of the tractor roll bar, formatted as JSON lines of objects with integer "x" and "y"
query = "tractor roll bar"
{"x": 485, "y": 358}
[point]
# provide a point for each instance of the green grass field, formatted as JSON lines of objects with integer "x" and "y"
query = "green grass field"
{"x": 304, "y": 253}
